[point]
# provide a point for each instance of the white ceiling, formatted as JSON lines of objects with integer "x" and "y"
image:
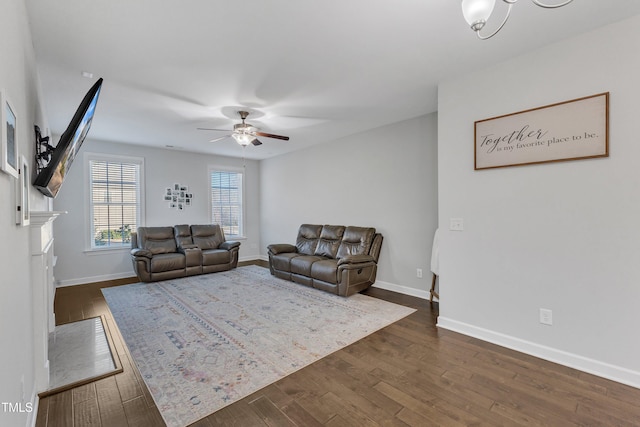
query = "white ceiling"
{"x": 315, "y": 70}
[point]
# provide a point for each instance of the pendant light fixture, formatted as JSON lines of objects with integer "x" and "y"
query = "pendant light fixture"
{"x": 478, "y": 12}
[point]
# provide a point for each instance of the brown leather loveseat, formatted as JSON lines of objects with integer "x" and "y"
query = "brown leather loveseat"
{"x": 161, "y": 253}
{"x": 334, "y": 258}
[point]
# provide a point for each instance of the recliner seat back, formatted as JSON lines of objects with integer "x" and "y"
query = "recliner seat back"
{"x": 336, "y": 241}
{"x": 207, "y": 236}
{"x": 329, "y": 241}
{"x": 307, "y": 240}
{"x": 183, "y": 235}
{"x": 157, "y": 240}
{"x": 356, "y": 241}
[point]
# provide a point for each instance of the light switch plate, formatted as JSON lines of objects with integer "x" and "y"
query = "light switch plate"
{"x": 456, "y": 224}
{"x": 546, "y": 316}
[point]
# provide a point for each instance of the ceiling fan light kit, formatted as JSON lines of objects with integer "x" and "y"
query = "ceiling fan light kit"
{"x": 243, "y": 139}
{"x": 478, "y": 12}
{"x": 245, "y": 133}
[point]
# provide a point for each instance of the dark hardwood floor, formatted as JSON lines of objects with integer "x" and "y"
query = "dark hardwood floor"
{"x": 408, "y": 374}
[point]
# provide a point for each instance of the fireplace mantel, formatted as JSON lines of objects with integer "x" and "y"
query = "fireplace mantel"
{"x": 41, "y": 231}
{"x": 43, "y": 290}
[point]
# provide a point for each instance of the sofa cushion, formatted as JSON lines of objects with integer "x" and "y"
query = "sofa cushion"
{"x": 208, "y": 236}
{"x": 329, "y": 241}
{"x": 282, "y": 261}
{"x": 183, "y": 235}
{"x": 167, "y": 262}
{"x": 215, "y": 256}
{"x": 157, "y": 240}
{"x": 302, "y": 264}
{"x": 325, "y": 270}
{"x": 356, "y": 241}
{"x": 307, "y": 240}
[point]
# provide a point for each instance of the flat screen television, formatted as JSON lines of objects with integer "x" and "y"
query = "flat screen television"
{"x": 50, "y": 179}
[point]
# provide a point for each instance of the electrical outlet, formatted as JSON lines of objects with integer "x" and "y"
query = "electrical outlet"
{"x": 546, "y": 316}
{"x": 419, "y": 273}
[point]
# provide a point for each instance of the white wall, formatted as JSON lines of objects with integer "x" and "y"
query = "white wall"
{"x": 18, "y": 80}
{"x": 562, "y": 236}
{"x": 162, "y": 168}
{"x": 385, "y": 178}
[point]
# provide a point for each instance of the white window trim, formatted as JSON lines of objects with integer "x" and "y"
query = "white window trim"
{"x": 218, "y": 168}
{"x": 88, "y": 236}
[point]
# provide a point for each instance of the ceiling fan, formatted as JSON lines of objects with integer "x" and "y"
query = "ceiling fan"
{"x": 245, "y": 133}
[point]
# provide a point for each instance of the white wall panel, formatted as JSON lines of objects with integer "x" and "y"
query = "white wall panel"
{"x": 385, "y": 178}
{"x": 560, "y": 236}
{"x": 162, "y": 168}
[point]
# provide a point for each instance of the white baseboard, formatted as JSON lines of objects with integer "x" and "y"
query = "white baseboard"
{"x": 93, "y": 279}
{"x": 419, "y": 293}
{"x": 254, "y": 258}
{"x": 591, "y": 366}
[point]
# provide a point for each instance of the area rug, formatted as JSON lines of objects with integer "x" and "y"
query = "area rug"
{"x": 204, "y": 342}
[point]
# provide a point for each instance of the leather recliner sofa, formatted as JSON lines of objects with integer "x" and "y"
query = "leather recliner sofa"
{"x": 334, "y": 258}
{"x": 161, "y": 253}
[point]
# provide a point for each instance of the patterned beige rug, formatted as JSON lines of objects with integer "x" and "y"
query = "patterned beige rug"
{"x": 204, "y": 342}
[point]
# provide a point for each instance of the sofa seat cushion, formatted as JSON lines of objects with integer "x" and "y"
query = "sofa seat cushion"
{"x": 167, "y": 262}
{"x": 215, "y": 256}
{"x": 282, "y": 261}
{"x": 302, "y": 264}
{"x": 325, "y": 270}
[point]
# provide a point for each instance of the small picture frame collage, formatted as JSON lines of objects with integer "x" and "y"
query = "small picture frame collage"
{"x": 178, "y": 196}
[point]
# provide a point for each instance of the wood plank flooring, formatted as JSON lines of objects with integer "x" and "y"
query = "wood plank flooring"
{"x": 408, "y": 374}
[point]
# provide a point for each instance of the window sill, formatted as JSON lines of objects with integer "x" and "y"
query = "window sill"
{"x": 105, "y": 251}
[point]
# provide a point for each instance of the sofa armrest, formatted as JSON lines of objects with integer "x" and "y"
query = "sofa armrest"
{"x": 280, "y": 248}
{"x": 138, "y": 252}
{"x": 229, "y": 245}
{"x": 192, "y": 253}
{"x": 356, "y": 259}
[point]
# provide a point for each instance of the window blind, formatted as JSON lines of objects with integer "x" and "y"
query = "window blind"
{"x": 226, "y": 201}
{"x": 114, "y": 202}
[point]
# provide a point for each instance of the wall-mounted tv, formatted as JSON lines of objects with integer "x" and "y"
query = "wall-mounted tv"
{"x": 50, "y": 179}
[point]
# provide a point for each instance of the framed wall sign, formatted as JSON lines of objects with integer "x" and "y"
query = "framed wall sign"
{"x": 23, "y": 184}
{"x": 8, "y": 138}
{"x": 570, "y": 130}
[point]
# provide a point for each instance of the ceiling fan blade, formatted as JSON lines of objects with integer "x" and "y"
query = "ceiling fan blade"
{"x": 218, "y": 139}
{"x": 270, "y": 135}
{"x": 256, "y": 142}
{"x": 223, "y": 130}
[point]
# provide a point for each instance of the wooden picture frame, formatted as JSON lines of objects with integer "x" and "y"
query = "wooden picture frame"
{"x": 570, "y": 130}
{"x": 8, "y": 137}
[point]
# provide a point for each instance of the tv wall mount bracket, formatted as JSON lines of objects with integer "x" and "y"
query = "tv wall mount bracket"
{"x": 43, "y": 150}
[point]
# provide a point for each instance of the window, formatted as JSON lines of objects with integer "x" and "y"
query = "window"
{"x": 114, "y": 201}
{"x": 226, "y": 201}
